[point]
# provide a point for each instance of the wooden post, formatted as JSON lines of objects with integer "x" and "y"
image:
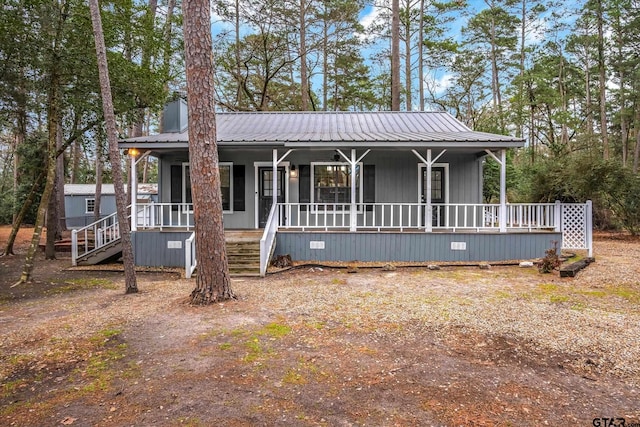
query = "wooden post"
{"x": 354, "y": 208}
{"x": 503, "y": 191}
{"x": 134, "y": 191}
{"x": 274, "y": 185}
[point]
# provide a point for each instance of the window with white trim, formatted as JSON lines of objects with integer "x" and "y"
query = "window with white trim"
{"x": 226, "y": 185}
{"x": 89, "y": 205}
{"x": 331, "y": 183}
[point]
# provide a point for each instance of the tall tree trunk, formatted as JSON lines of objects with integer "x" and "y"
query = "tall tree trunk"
{"x": 114, "y": 154}
{"x": 239, "y": 90}
{"x": 421, "y": 56}
{"x": 304, "y": 79}
{"x": 407, "y": 58}
{"x": 20, "y": 138}
{"x": 602, "y": 80}
{"x": 212, "y": 280}
{"x": 62, "y": 214}
{"x": 325, "y": 60}
{"x": 99, "y": 166}
{"x": 53, "y": 109}
{"x": 636, "y": 151}
{"x": 75, "y": 162}
{"x": 523, "y": 34}
{"x": 54, "y": 214}
{"x": 395, "y": 55}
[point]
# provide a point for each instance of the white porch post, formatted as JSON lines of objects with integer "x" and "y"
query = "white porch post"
{"x": 589, "y": 227}
{"x": 274, "y": 186}
{"x": 503, "y": 191}
{"x": 353, "y": 226}
{"x": 134, "y": 193}
{"x": 502, "y": 161}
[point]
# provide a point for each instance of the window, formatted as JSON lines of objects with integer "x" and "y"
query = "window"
{"x": 90, "y": 205}
{"x": 226, "y": 185}
{"x": 332, "y": 183}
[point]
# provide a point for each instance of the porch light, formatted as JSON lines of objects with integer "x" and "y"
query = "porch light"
{"x": 294, "y": 171}
{"x": 133, "y": 152}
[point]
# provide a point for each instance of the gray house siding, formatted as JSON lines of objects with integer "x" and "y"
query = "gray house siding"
{"x": 414, "y": 247}
{"x": 76, "y": 215}
{"x": 397, "y": 177}
{"x": 159, "y": 249}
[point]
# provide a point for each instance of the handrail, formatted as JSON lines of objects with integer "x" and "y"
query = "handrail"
{"x": 105, "y": 231}
{"x": 190, "y": 261}
{"x": 267, "y": 242}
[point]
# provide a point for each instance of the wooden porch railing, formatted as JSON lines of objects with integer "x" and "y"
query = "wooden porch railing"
{"x": 401, "y": 216}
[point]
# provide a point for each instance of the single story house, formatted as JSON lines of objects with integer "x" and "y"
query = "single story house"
{"x": 347, "y": 186}
{"x": 80, "y": 201}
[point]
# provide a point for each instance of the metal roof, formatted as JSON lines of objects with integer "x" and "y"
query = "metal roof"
{"x": 313, "y": 129}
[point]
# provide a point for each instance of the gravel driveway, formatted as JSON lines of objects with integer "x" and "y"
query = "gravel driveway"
{"x": 319, "y": 346}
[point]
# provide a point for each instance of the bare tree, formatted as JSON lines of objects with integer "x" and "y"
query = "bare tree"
{"x": 212, "y": 280}
{"x": 114, "y": 154}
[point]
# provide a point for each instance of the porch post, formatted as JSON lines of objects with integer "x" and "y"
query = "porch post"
{"x": 503, "y": 191}
{"x": 134, "y": 193}
{"x": 589, "y": 228}
{"x": 354, "y": 208}
{"x": 274, "y": 186}
{"x": 428, "y": 220}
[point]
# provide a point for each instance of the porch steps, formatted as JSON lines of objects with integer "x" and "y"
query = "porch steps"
{"x": 107, "y": 253}
{"x": 243, "y": 252}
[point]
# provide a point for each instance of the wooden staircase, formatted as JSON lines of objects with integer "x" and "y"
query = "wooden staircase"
{"x": 243, "y": 252}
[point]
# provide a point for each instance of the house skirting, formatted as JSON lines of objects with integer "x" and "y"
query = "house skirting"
{"x": 414, "y": 247}
{"x": 159, "y": 248}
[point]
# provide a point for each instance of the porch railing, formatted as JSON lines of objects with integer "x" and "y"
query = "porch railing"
{"x": 401, "y": 216}
{"x": 164, "y": 215}
{"x": 94, "y": 236}
{"x": 268, "y": 240}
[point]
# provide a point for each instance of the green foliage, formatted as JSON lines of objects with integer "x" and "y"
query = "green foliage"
{"x": 621, "y": 196}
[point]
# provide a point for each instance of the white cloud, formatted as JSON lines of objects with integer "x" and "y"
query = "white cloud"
{"x": 439, "y": 85}
{"x": 368, "y": 18}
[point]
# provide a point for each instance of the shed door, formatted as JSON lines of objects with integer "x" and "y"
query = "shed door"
{"x": 438, "y": 196}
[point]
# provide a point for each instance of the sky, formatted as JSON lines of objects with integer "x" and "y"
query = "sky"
{"x": 438, "y": 79}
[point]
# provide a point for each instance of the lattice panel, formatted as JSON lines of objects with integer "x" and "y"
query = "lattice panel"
{"x": 574, "y": 226}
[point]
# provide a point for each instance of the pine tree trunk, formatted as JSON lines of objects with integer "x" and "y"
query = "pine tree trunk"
{"x": 602, "y": 80}
{"x": 395, "y": 55}
{"x": 421, "y": 56}
{"x": 114, "y": 154}
{"x": 62, "y": 214}
{"x": 99, "y": 166}
{"x": 53, "y": 109}
{"x": 407, "y": 58}
{"x": 212, "y": 280}
{"x": 304, "y": 79}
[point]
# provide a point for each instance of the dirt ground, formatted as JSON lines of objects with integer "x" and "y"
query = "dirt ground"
{"x": 319, "y": 346}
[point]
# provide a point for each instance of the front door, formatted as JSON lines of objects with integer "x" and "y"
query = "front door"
{"x": 437, "y": 194}
{"x": 265, "y": 192}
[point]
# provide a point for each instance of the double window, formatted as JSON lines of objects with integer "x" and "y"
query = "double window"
{"x": 226, "y": 185}
{"x": 331, "y": 183}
